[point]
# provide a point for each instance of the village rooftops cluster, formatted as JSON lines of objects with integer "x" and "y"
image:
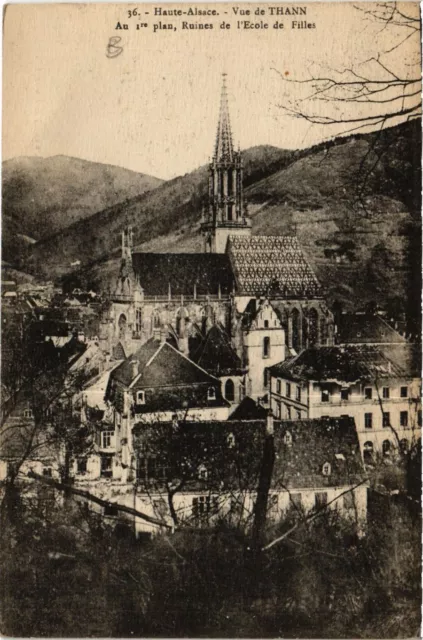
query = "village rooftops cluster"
{"x": 338, "y": 364}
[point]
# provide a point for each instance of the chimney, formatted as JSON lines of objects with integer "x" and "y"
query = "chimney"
{"x": 269, "y": 423}
{"x": 156, "y": 333}
{"x": 134, "y": 368}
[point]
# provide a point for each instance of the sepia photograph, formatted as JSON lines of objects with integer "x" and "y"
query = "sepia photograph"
{"x": 211, "y": 320}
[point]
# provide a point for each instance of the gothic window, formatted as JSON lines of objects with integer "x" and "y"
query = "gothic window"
{"x": 122, "y": 324}
{"x": 229, "y": 390}
{"x": 313, "y": 328}
{"x": 266, "y": 347}
{"x": 296, "y": 340}
{"x": 138, "y": 321}
{"x": 230, "y": 212}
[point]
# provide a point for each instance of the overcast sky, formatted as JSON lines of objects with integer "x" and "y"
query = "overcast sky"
{"x": 154, "y": 108}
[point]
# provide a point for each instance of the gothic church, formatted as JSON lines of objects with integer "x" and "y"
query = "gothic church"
{"x": 249, "y": 301}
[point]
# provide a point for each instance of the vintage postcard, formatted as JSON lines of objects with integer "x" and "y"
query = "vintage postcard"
{"x": 211, "y": 320}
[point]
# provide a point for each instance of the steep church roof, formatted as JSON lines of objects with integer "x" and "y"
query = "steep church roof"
{"x": 217, "y": 355}
{"x": 271, "y": 265}
{"x": 181, "y": 272}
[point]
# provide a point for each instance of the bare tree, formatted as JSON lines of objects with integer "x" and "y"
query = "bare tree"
{"x": 373, "y": 94}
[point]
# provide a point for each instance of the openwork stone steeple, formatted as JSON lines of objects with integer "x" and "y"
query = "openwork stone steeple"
{"x": 225, "y": 213}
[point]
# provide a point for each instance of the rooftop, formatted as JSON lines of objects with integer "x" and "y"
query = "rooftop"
{"x": 231, "y": 452}
{"x": 217, "y": 355}
{"x": 176, "y": 274}
{"x": 339, "y": 364}
{"x": 366, "y": 328}
{"x": 158, "y": 364}
{"x": 271, "y": 265}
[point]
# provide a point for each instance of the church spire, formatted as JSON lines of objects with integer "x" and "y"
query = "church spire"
{"x": 224, "y": 151}
{"x": 226, "y": 212}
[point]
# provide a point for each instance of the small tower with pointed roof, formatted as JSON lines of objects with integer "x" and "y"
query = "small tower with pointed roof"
{"x": 225, "y": 213}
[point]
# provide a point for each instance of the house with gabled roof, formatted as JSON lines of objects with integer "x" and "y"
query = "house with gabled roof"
{"x": 360, "y": 381}
{"x": 156, "y": 384}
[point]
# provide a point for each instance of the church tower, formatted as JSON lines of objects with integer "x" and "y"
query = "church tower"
{"x": 225, "y": 213}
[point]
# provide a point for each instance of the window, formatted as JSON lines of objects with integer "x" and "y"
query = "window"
{"x": 298, "y": 394}
{"x": 28, "y": 413}
{"x": 345, "y": 394}
{"x": 368, "y": 451}
{"x": 326, "y": 469}
{"x": 47, "y": 472}
{"x": 138, "y": 321}
{"x": 266, "y": 324}
{"x": 288, "y": 390}
{"x": 403, "y": 445}
{"x": 202, "y": 472}
{"x": 386, "y": 421}
{"x": 320, "y": 499}
{"x": 298, "y": 415}
{"x": 368, "y": 392}
{"x": 385, "y": 393}
{"x": 288, "y": 412}
{"x": 404, "y": 418}
{"x": 107, "y": 438}
{"x": 325, "y": 395}
{"x": 140, "y": 397}
{"x": 204, "y": 505}
{"x": 296, "y": 500}
{"x": 368, "y": 420}
{"x": 230, "y": 440}
{"x": 110, "y": 510}
{"x": 150, "y": 468}
{"x": 386, "y": 447}
{"x": 266, "y": 347}
{"x": 106, "y": 466}
{"x": 229, "y": 390}
{"x": 273, "y": 506}
{"x": 279, "y": 410}
{"x": 419, "y": 418}
{"x": 265, "y": 378}
{"x": 348, "y": 500}
{"x": 278, "y": 386}
{"x": 287, "y": 439}
{"x": 81, "y": 465}
{"x": 211, "y": 393}
{"x": 404, "y": 392}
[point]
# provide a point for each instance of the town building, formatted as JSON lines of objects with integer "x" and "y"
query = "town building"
{"x": 193, "y": 473}
{"x": 358, "y": 381}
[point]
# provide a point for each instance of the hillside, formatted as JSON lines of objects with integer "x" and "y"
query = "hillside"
{"x": 167, "y": 217}
{"x": 42, "y": 196}
{"x": 354, "y": 203}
